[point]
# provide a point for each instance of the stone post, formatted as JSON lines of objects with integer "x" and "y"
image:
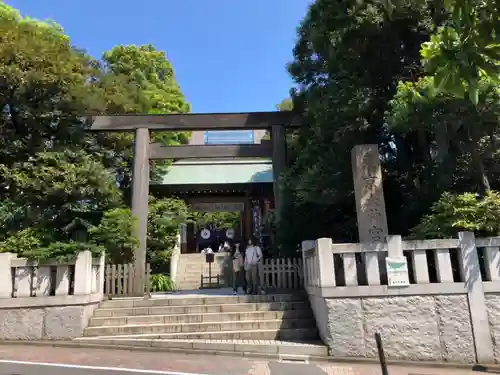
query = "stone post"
{"x": 6, "y": 275}
{"x": 325, "y": 264}
{"x": 279, "y": 161}
{"x": 102, "y": 273}
{"x": 370, "y": 203}
{"x": 183, "y": 237}
{"x": 306, "y": 245}
{"x": 83, "y": 273}
{"x": 140, "y": 193}
{"x": 176, "y": 252}
{"x": 471, "y": 273}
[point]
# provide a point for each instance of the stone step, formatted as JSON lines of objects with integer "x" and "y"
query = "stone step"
{"x": 196, "y": 275}
{"x": 188, "y": 282}
{"x": 197, "y": 309}
{"x": 199, "y": 318}
{"x": 193, "y": 257}
{"x": 197, "y": 285}
{"x": 284, "y": 348}
{"x": 189, "y": 286}
{"x": 176, "y": 328}
{"x": 182, "y": 300}
{"x": 191, "y": 267}
{"x": 285, "y": 334}
{"x": 200, "y": 262}
{"x": 182, "y": 288}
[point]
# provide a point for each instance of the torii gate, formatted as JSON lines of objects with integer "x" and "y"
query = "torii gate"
{"x": 144, "y": 151}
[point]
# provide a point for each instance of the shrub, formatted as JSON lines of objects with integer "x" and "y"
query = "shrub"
{"x": 161, "y": 283}
{"x": 465, "y": 212}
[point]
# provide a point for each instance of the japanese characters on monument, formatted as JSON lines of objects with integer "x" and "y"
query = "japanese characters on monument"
{"x": 372, "y": 209}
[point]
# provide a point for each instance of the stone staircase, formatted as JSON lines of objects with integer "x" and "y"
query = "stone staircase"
{"x": 282, "y": 324}
{"x": 192, "y": 266}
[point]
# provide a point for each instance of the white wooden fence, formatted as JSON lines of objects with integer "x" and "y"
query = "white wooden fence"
{"x": 120, "y": 279}
{"x": 282, "y": 273}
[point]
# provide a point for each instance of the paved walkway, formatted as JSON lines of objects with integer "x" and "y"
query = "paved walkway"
{"x": 13, "y": 360}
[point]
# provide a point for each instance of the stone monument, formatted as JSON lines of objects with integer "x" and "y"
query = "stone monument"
{"x": 370, "y": 203}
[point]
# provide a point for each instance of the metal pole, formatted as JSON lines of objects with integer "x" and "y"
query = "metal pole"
{"x": 210, "y": 274}
{"x": 381, "y": 354}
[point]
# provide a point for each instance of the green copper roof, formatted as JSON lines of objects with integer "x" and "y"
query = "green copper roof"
{"x": 234, "y": 171}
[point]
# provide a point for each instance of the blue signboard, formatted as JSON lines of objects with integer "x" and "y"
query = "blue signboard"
{"x": 229, "y": 137}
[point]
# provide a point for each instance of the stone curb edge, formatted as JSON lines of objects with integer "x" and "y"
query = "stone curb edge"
{"x": 295, "y": 358}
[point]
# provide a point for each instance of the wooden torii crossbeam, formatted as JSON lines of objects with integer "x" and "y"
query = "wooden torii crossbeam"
{"x": 196, "y": 121}
{"x": 142, "y": 124}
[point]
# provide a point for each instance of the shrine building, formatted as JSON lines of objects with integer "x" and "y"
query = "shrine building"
{"x": 243, "y": 185}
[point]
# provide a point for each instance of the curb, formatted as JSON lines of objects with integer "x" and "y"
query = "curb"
{"x": 278, "y": 357}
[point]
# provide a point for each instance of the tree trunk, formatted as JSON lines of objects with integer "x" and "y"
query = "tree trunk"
{"x": 477, "y": 160}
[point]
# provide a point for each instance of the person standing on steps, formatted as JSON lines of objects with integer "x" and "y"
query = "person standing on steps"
{"x": 238, "y": 269}
{"x": 253, "y": 256}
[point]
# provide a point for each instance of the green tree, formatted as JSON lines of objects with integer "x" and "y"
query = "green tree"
{"x": 165, "y": 217}
{"x": 51, "y": 170}
{"x": 454, "y": 213}
{"x": 457, "y": 138}
{"x": 150, "y": 69}
{"x": 348, "y": 60}
{"x": 157, "y": 92}
{"x": 44, "y": 194}
{"x": 115, "y": 234}
{"x": 465, "y": 47}
{"x": 361, "y": 77}
{"x": 223, "y": 220}
{"x": 42, "y": 86}
{"x": 462, "y": 59}
{"x": 285, "y": 105}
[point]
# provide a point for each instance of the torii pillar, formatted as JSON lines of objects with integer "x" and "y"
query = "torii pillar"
{"x": 278, "y": 139}
{"x": 140, "y": 194}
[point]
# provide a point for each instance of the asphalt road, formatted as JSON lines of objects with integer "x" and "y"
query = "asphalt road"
{"x": 22, "y": 359}
{"x": 46, "y": 369}
{"x": 19, "y": 368}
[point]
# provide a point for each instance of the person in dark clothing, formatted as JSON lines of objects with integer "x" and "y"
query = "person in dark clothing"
{"x": 238, "y": 269}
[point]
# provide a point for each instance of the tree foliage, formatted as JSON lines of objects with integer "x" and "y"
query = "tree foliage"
{"x": 165, "y": 216}
{"x": 418, "y": 78}
{"x": 222, "y": 220}
{"x": 365, "y": 74}
{"x": 115, "y": 234}
{"x": 465, "y": 46}
{"x": 53, "y": 171}
{"x": 454, "y": 213}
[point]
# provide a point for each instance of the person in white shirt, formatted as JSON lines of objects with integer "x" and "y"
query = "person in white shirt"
{"x": 207, "y": 250}
{"x": 253, "y": 256}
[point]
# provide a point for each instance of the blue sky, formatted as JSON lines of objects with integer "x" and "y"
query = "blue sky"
{"x": 229, "y": 56}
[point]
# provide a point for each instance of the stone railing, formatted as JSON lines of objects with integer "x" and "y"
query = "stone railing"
{"x": 433, "y": 299}
{"x": 48, "y": 300}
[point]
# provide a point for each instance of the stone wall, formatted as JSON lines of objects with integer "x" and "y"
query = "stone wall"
{"x": 431, "y": 328}
{"x": 46, "y": 323}
{"x": 492, "y": 301}
{"x": 49, "y": 300}
{"x": 435, "y": 312}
